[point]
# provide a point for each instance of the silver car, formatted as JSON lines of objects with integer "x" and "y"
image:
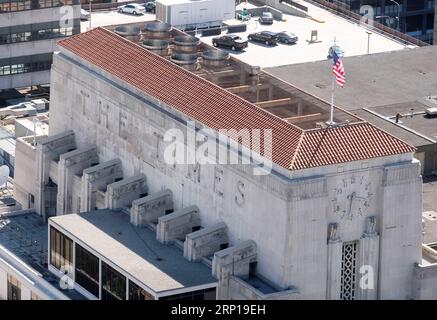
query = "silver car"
{"x": 132, "y": 8}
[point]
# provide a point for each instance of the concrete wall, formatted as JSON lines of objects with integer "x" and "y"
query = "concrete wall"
{"x": 285, "y": 8}
{"x": 25, "y": 79}
{"x": 26, "y": 175}
{"x": 286, "y": 214}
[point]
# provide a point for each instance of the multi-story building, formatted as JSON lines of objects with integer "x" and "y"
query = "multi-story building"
{"x": 29, "y": 30}
{"x": 415, "y": 18}
{"x": 435, "y": 25}
{"x": 327, "y": 206}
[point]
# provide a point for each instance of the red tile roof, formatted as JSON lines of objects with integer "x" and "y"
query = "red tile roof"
{"x": 203, "y": 101}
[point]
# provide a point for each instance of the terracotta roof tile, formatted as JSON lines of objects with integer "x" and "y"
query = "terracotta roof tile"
{"x": 217, "y": 108}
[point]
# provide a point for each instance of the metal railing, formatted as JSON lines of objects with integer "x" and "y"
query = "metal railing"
{"x": 389, "y": 32}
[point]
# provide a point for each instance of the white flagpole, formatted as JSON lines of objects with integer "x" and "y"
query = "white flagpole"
{"x": 331, "y": 118}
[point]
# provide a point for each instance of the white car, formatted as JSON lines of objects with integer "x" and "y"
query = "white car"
{"x": 84, "y": 15}
{"x": 132, "y": 8}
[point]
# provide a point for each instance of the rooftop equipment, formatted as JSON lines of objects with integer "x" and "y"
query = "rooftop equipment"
{"x": 156, "y": 30}
{"x": 129, "y": 32}
{"x": 215, "y": 58}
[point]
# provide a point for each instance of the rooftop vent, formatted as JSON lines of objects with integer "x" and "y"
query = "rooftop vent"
{"x": 215, "y": 58}
{"x": 156, "y": 30}
{"x": 185, "y": 60}
{"x": 129, "y": 32}
{"x": 157, "y": 46}
{"x": 186, "y": 44}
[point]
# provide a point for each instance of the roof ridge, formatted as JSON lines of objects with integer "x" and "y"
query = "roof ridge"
{"x": 296, "y": 151}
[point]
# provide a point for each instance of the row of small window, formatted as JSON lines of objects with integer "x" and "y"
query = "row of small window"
{"x": 22, "y": 5}
{"x": 113, "y": 286}
{"x": 19, "y": 68}
{"x": 14, "y": 290}
{"x": 33, "y": 36}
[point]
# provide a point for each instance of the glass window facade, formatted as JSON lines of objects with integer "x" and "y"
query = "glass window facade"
{"x": 113, "y": 284}
{"x": 87, "y": 270}
{"x": 14, "y": 288}
{"x": 37, "y": 31}
{"x": 22, "y": 5}
{"x": 61, "y": 251}
{"x": 204, "y": 294}
{"x": 25, "y": 64}
{"x": 138, "y": 293}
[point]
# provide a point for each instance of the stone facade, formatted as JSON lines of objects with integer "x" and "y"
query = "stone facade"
{"x": 297, "y": 224}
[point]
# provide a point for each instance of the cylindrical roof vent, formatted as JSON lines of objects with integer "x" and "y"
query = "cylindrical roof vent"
{"x": 215, "y": 58}
{"x": 129, "y": 32}
{"x": 187, "y": 44}
{"x": 185, "y": 60}
{"x": 157, "y": 46}
{"x": 156, "y": 30}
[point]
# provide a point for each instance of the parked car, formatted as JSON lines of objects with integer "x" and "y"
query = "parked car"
{"x": 231, "y": 41}
{"x": 84, "y": 15}
{"x": 267, "y": 37}
{"x": 133, "y": 8}
{"x": 286, "y": 37}
{"x": 266, "y": 18}
{"x": 150, "y": 6}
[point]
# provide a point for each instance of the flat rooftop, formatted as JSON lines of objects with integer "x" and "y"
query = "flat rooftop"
{"x": 135, "y": 250}
{"x": 429, "y": 193}
{"x": 374, "y": 80}
{"x": 413, "y": 116}
{"x": 350, "y": 36}
{"x": 25, "y": 235}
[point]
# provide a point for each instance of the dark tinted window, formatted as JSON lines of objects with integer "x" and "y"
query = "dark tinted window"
{"x": 138, "y": 293}
{"x": 205, "y": 294}
{"x": 87, "y": 270}
{"x": 61, "y": 251}
{"x": 113, "y": 284}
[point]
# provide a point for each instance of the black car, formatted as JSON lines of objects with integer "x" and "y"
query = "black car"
{"x": 231, "y": 41}
{"x": 286, "y": 37}
{"x": 267, "y": 37}
{"x": 150, "y": 7}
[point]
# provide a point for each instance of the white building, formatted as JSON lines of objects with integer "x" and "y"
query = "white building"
{"x": 195, "y": 13}
{"x": 340, "y": 203}
{"x": 28, "y": 34}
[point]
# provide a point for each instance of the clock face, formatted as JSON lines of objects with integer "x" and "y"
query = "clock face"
{"x": 352, "y": 197}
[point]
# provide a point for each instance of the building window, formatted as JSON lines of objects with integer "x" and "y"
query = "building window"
{"x": 205, "y": 294}
{"x": 14, "y": 288}
{"x": 18, "y": 65}
{"x": 113, "y": 284}
{"x": 348, "y": 270}
{"x": 61, "y": 251}
{"x": 138, "y": 293}
{"x": 34, "y": 296}
{"x": 87, "y": 270}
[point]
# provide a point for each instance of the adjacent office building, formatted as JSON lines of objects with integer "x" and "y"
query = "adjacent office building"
{"x": 416, "y": 18}
{"x": 29, "y": 30}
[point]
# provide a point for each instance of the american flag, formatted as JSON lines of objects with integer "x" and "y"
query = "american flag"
{"x": 338, "y": 69}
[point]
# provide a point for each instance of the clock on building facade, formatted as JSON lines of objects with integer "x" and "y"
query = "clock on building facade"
{"x": 352, "y": 197}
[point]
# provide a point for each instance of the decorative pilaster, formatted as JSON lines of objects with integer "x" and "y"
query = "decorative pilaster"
{"x": 335, "y": 244}
{"x": 368, "y": 255}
